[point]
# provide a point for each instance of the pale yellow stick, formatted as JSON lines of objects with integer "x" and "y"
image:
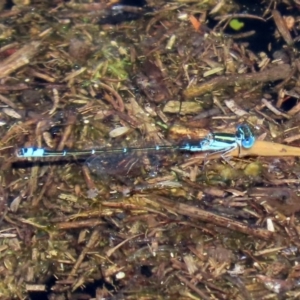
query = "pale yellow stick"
{"x": 263, "y": 148}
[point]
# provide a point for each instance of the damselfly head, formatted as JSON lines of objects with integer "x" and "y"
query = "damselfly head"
{"x": 245, "y": 136}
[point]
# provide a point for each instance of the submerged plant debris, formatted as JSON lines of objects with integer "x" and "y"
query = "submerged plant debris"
{"x": 168, "y": 224}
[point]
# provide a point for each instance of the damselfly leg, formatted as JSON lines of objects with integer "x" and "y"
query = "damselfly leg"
{"x": 225, "y": 143}
{"x": 222, "y": 143}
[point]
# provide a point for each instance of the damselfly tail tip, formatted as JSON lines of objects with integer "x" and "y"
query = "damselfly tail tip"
{"x": 29, "y": 152}
{"x": 20, "y": 152}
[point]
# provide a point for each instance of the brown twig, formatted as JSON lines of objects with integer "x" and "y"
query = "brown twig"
{"x": 193, "y": 287}
{"x": 281, "y": 26}
{"x": 94, "y": 238}
{"x": 272, "y": 74}
{"x": 19, "y": 58}
{"x": 205, "y": 216}
{"x": 120, "y": 105}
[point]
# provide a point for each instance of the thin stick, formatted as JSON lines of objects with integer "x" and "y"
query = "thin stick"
{"x": 263, "y": 148}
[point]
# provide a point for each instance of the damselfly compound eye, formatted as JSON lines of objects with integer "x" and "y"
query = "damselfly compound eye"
{"x": 248, "y": 142}
{"x": 245, "y": 135}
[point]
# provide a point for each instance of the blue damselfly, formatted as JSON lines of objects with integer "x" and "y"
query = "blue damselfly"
{"x": 213, "y": 142}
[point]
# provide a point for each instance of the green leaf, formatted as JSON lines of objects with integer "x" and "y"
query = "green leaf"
{"x": 235, "y": 24}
